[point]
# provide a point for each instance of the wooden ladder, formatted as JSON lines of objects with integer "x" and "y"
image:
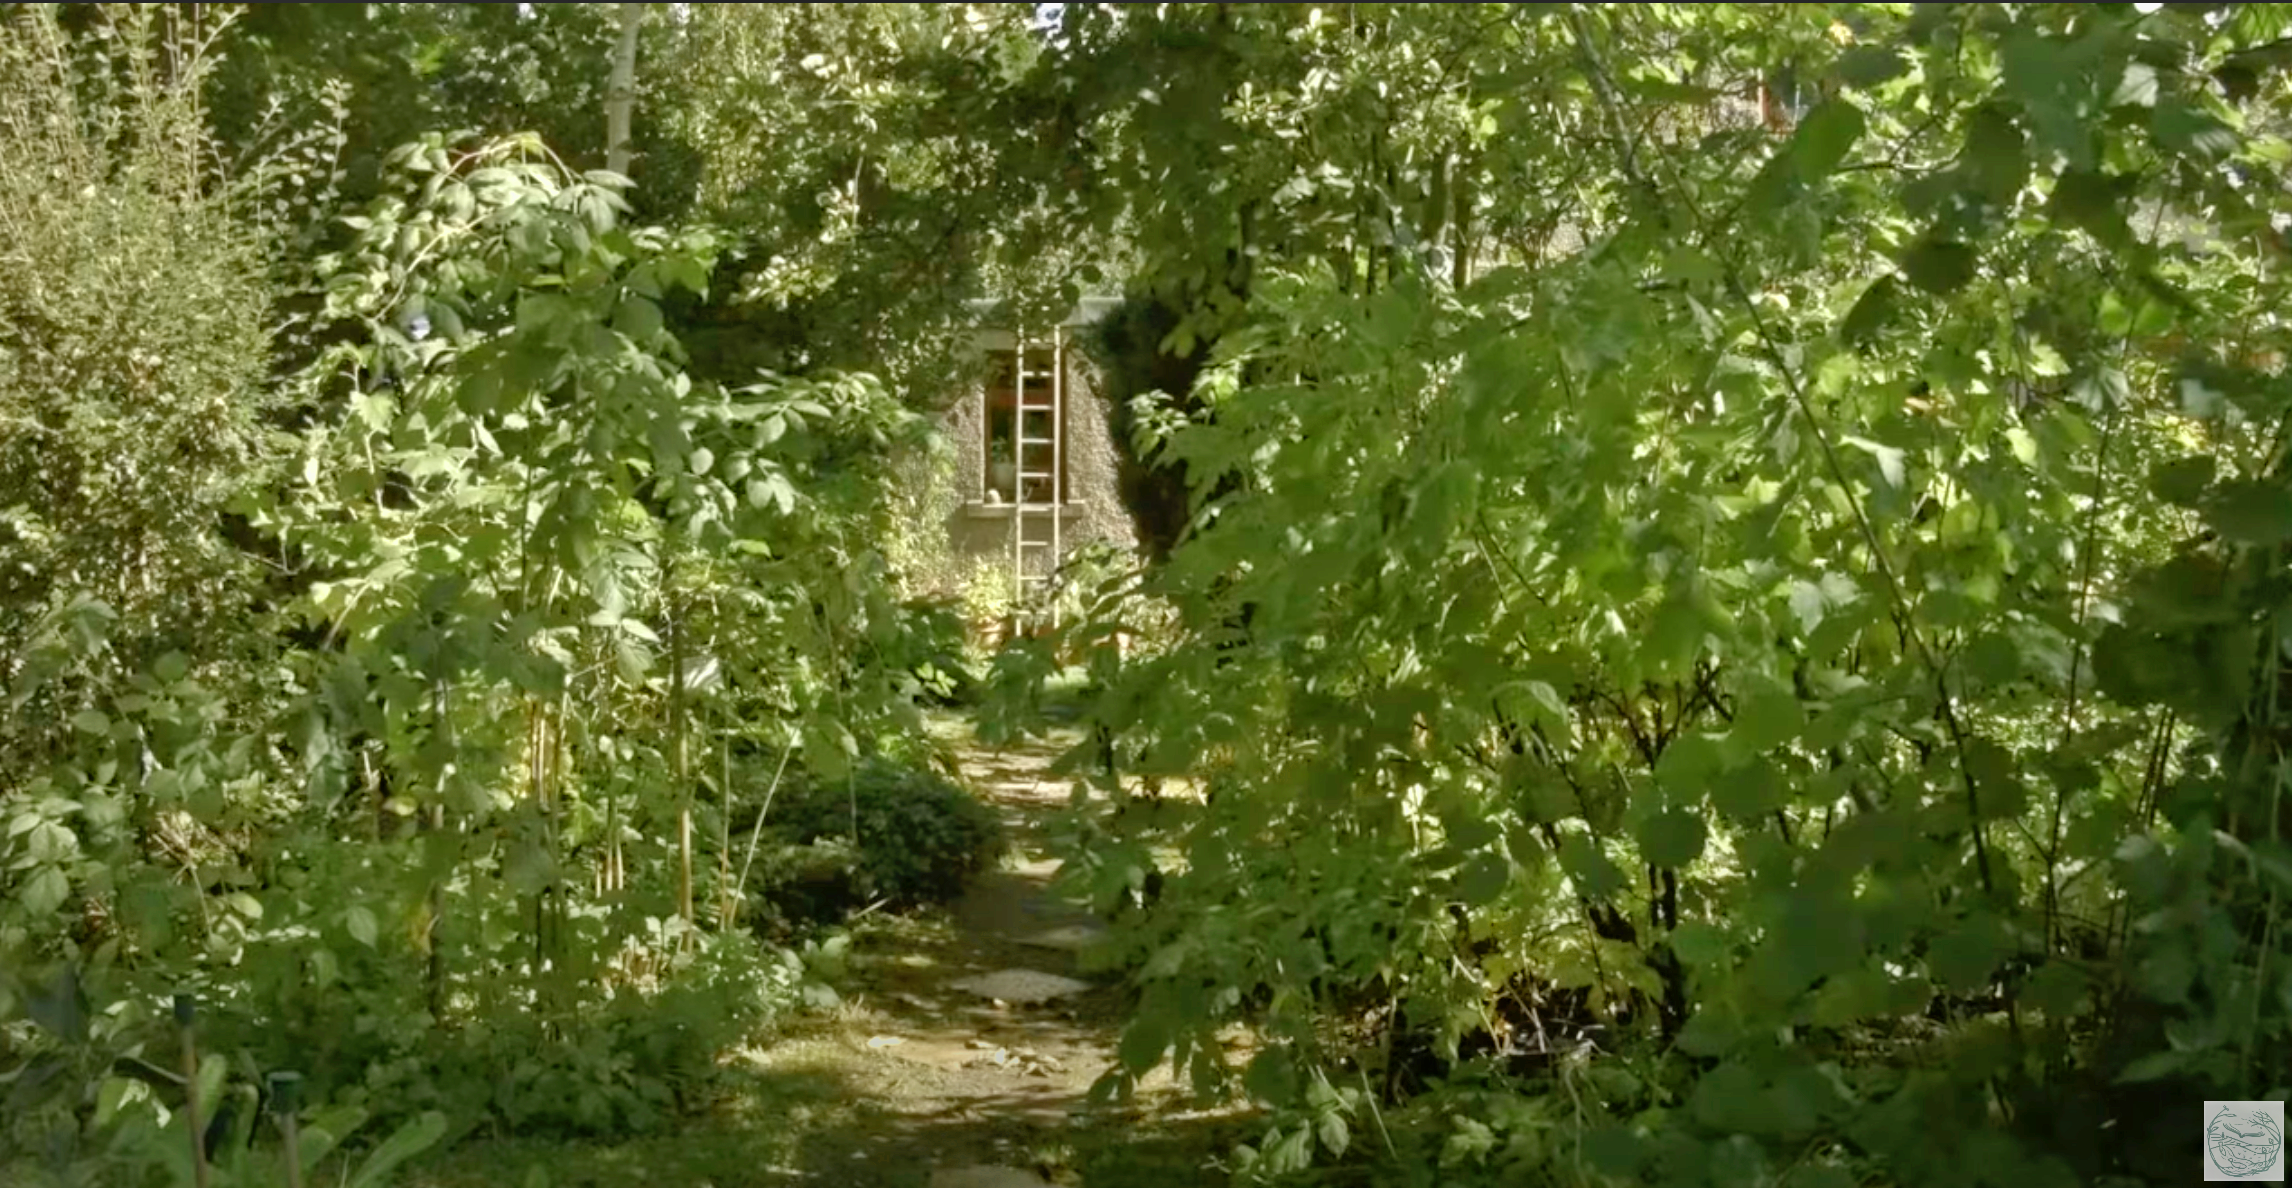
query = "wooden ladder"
{"x": 1036, "y": 507}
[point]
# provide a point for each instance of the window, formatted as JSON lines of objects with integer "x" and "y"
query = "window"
{"x": 1784, "y": 100}
{"x": 1002, "y": 444}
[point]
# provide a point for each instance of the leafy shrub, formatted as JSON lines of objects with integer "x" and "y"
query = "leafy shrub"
{"x": 623, "y": 1063}
{"x": 810, "y": 885}
{"x": 936, "y": 640}
{"x": 989, "y": 596}
{"x": 919, "y": 835}
{"x": 132, "y": 353}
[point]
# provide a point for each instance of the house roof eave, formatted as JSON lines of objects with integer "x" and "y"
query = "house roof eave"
{"x": 1089, "y": 311}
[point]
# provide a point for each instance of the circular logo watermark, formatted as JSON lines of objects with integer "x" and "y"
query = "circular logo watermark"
{"x": 2244, "y": 1140}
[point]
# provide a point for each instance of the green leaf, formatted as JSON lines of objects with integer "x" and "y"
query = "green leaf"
{"x": 1689, "y": 763}
{"x": 1673, "y": 838}
{"x": 2136, "y": 87}
{"x": 214, "y": 1070}
{"x": 2095, "y": 202}
{"x": 115, "y": 1093}
{"x": 2191, "y": 132}
{"x": 1615, "y": 1150}
{"x": 1808, "y": 604}
{"x": 1964, "y": 957}
{"x": 359, "y": 919}
{"x": 1997, "y": 777}
{"x": 44, "y": 892}
{"x": 1483, "y": 879}
{"x": 1729, "y": 1099}
{"x": 1143, "y": 1043}
{"x": 60, "y": 1007}
{"x": 1272, "y": 1075}
{"x": 528, "y": 868}
{"x": 2154, "y": 1066}
{"x": 1676, "y": 635}
{"x": 1293, "y": 1153}
{"x": 90, "y": 721}
{"x": 2053, "y": 76}
{"x": 1330, "y": 1126}
{"x": 1593, "y": 873}
{"x": 2251, "y": 512}
{"x": 1824, "y": 138}
{"x": 1889, "y": 458}
{"x": 1872, "y": 311}
{"x": 1996, "y": 159}
{"x": 1700, "y": 944}
{"x": 2057, "y": 988}
{"x": 408, "y": 1141}
{"x": 1939, "y": 266}
{"x": 1866, "y": 66}
{"x": 1992, "y": 659}
{"x": 632, "y": 659}
{"x": 1766, "y": 718}
{"x": 2182, "y": 481}
{"x": 1547, "y": 797}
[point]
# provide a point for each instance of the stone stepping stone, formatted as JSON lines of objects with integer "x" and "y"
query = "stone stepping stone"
{"x": 1024, "y": 986}
{"x": 1020, "y": 1060}
{"x": 1070, "y": 938}
{"x": 987, "y": 1177}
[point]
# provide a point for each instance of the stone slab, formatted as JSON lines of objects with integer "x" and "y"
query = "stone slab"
{"x": 987, "y": 1177}
{"x": 1069, "y": 938}
{"x": 1022, "y": 986}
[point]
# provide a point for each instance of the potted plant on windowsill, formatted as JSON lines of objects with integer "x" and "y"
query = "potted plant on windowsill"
{"x": 1002, "y": 471}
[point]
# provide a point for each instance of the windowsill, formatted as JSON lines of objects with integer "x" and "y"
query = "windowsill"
{"x": 979, "y": 509}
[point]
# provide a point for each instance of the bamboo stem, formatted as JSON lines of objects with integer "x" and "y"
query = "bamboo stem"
{"x": 185, "y": 1016}
{"x": 683, "y": 755}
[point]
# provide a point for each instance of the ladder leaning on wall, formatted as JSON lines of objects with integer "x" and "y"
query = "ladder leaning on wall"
{"x": 1035, "y": 508}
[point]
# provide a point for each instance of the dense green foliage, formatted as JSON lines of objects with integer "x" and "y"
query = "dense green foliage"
{"x": 1800, "y": 605}
{"x": 890, "y": 838}
{"x": 1713, "y": 610}
{"x": 374, "y": 674}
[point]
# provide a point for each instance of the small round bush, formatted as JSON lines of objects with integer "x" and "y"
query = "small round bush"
{"x": 920, "y": 836}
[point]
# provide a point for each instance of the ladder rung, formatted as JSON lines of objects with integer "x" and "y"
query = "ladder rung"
{"x": 1044, "y": 475}
{"x": 1026, "y": 441}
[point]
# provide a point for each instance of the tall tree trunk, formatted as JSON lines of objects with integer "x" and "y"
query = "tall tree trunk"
{"x": 621, "y": 90}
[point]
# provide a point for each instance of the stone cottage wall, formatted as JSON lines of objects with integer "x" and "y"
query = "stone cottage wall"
{"x": 1093, "y": 510}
